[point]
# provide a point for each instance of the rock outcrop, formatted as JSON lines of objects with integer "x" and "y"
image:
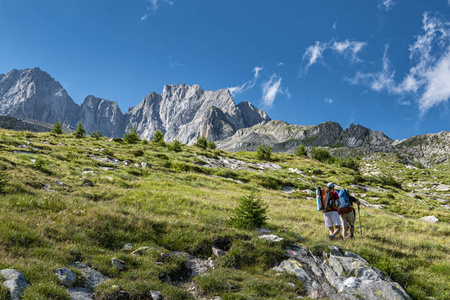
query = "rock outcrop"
{"x": 32, "y": 94}
{"x": 339, "y": 276}
{"x": 185, "y": 112}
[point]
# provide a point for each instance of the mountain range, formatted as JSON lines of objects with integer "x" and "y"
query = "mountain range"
{"x": 186, "y": 112}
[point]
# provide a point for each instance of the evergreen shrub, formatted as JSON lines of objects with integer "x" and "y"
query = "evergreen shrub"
{"x": 263, "y": 152}
{"x": 249, "y": 213}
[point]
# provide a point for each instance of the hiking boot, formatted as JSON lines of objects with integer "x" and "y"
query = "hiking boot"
{"x": 332, "y": 237}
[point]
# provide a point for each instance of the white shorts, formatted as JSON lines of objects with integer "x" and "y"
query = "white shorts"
{"x": 331, "y": 218}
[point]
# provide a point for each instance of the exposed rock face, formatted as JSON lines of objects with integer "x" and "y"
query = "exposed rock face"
{"x": 33, "y": 94}
{"x": 426, "y": 148}
{"x": 185, "y": 112}
{"x": 102, "y": 115}
{"x": 181, "y": 112}
{"x": 285, "y": 137}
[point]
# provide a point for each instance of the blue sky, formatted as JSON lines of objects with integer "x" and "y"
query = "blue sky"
{"x": 384, "y": 64}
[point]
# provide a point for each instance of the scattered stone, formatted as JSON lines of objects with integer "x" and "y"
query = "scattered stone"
{"x": 271, "y": 237}
{"x": 367, "y": 204}
{"x": 88, "y": 171}
{"x": 218, "y": 252}
{"x": 79, "y": 293}
{"x": 430, "y": 219}
{"x": 137, "y": 165}
{"x": 92, "y": 277}
{"x": 109, "y": 178}
{"x": 60, "y": 183}
{"x": 196, "y": 266}
{"x": 443, "y": 187}
{"x": 15, "y": 282}
{"x": 127, "y": 247}
{"x": 127, "y": 162}
{"x": 234, "y": 164}
{"x": 107, "y": 168}
{"x": 66, "y": 276}
{"x": 288, "y": 189}
{"x": 118, "y": 264}
{"x": 156, "y": 295}
{"x": 87, "y": 183}
{"x": 445, "y": 206}
{"x": 296, "y": 171}
{"x": 309, "y": 192}
{"x": 264, "y": 230}
{"x": 105, "y": 159}
{"x": 142, "y": 250}
{"x": 145, "y": 164}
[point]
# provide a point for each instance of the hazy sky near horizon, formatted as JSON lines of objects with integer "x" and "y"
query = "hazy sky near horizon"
{"x": 383, "y": 64}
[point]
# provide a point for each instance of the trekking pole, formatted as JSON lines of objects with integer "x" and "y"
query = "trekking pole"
{"x": 359, "y": 215}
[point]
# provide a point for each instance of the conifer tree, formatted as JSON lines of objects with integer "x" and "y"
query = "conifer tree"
{"x": 96, "y": 135}
{"x": 158, "y": 138}
{"x": 202, "y": 143}
{"x": 80, "y": 132}
{"x": 57, "y": 128}
{"x": 132, "y": 136}
{"x": 249, "y": 213}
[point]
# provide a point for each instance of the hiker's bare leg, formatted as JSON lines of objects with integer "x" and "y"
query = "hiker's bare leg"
{"x": 345, "y": 232}
{"x": 336, "y": 230}
{"x": 331, "y": 229}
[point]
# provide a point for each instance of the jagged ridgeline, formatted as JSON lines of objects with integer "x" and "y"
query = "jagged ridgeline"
{"x": 185, "y": 113}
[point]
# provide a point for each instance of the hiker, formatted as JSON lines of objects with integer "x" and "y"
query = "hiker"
{"x": 330, "y": 212}
{"x": 347, "y": 212}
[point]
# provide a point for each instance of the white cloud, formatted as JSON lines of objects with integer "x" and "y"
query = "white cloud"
{"x": 437, "y": 88}
{"x": 347, "y": 48}
{"x": 429, "y": 77}
{"x": 236, "y": 90}
{"x": 154, "y": 5}
{"x": 386, "y": 4}
{"x": 270, "y": 89}
{"x": 328, "y": 100}
{"x": 334, "y": 27}
{"x": 313, "y": 53}
{"x": 281, "y": 64}
{"x": 173, "y": 64}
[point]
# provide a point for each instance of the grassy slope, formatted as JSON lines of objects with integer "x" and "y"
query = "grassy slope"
{"x": 179, "y": 206}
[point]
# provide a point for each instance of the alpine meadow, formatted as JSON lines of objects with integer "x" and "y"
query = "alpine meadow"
{"x": 165, "y": 211}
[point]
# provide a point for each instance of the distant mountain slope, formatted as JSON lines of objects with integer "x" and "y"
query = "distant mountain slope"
{"x": 23, "y": 125}
{"x": 186, "y": 112}
{"x": 181, "y": 112}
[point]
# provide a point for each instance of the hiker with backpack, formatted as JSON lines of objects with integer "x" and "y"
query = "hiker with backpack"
{"x": 328, "y": 202}
{"x": 347, "y": 212}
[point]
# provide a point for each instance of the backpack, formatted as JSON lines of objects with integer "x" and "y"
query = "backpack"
{"x": 346, "y": 206}
{"x": 325, "y": 201}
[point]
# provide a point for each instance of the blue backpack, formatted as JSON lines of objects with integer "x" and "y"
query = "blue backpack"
{"x": 345, "y": 202}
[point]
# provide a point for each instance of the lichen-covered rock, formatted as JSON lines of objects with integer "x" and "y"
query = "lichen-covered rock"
{"x": 15, "y": 282}
{"x": 340, "y": 276}
{"x": 92, "y": 277}
{"x": 66, "y": 276}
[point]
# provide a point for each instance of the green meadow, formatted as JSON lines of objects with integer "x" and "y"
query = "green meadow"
{"x": 59, "y": 204}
